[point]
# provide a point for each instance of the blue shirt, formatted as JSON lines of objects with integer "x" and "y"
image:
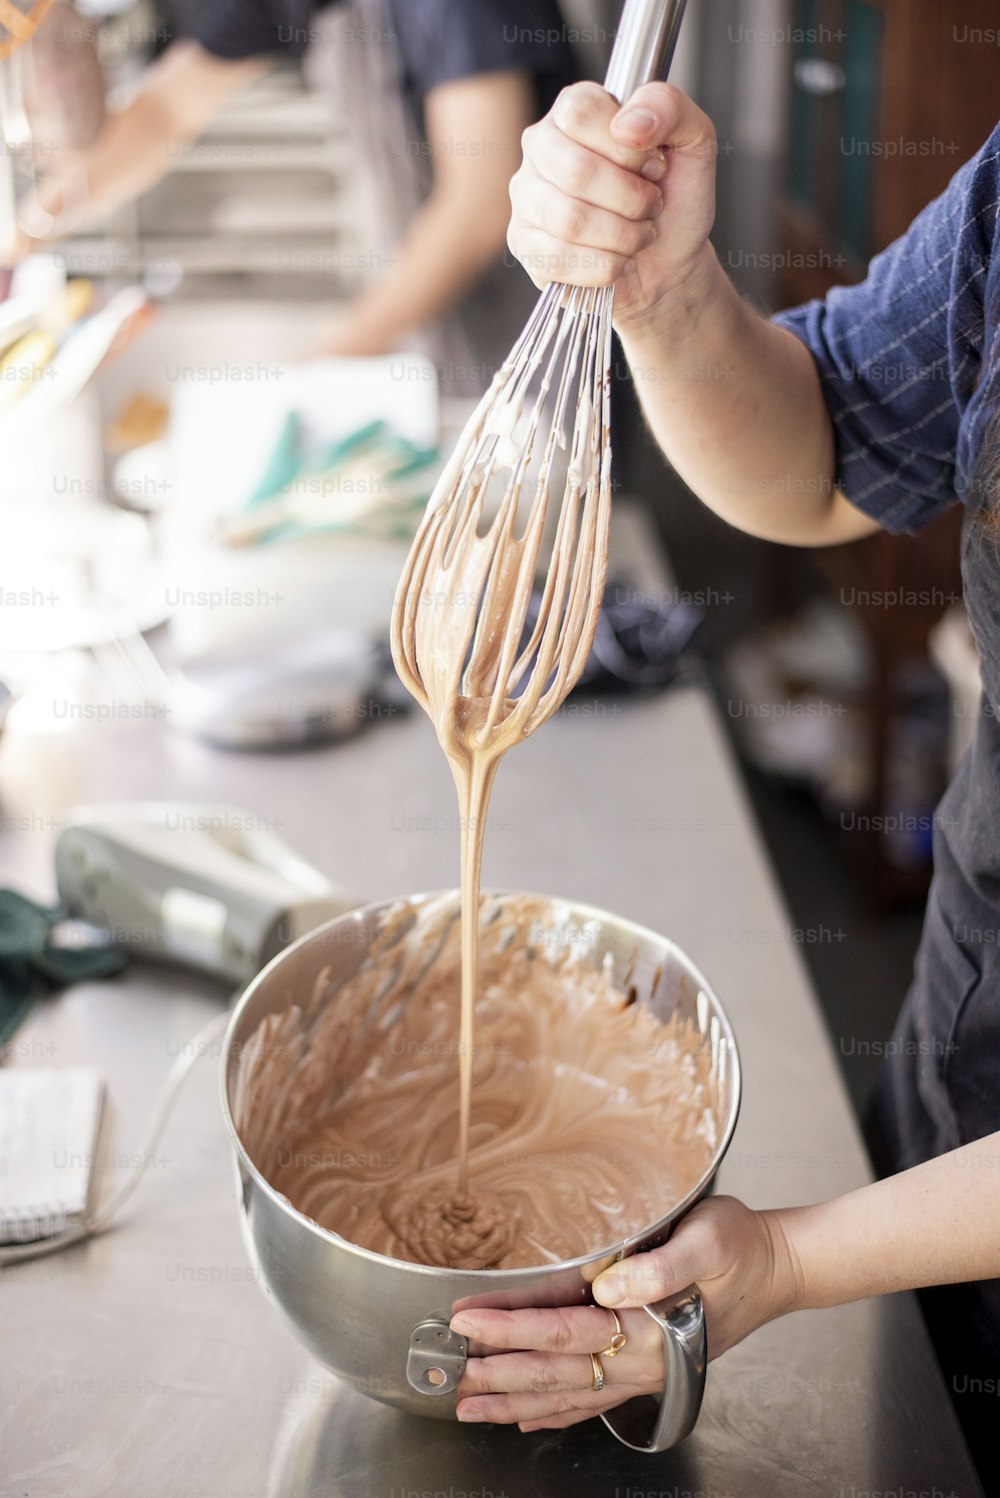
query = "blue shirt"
{"x": 909, "y": 363}
{"x": 908, "y": 359}
{"x": 910, "y": 368}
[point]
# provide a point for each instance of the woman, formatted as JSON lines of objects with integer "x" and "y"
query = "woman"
{"x": 432, "y": 95}
{"x": 815, "y": 440}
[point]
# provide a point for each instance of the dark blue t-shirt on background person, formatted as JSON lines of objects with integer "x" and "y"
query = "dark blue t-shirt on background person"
{"x": 910, "y": 367}
{"x": 438, "y": 40}
{"x": 377, "y": 61}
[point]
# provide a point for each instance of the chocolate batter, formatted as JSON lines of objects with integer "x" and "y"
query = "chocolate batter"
{"x": 460, "y": 612}
{"x": 592, "y": 1118}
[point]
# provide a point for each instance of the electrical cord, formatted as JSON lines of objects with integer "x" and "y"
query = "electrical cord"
{"x": 103, "y": 1217}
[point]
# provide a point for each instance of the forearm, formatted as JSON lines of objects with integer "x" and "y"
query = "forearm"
{"x": 131, "y": 154}
{"x": 936, "y": 1224}
{"x": 440, "y": 256}
{"x": 140, "y": 143}
{"x": 474, "y": 138}
{"x": 737, "y": 407}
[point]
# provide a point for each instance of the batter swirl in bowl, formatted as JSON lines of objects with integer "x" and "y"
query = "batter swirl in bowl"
{"x": 591, "y": 1113}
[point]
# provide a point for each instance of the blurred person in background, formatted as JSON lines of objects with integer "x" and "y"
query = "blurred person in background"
{"x": 434, "y": 95}
{"x": 813, "y": 439}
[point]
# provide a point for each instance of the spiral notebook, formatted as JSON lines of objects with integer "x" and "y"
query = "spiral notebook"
{"x": 49, "y": 1125}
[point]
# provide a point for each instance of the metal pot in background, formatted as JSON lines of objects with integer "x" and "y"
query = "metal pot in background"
{"x": 381, "y": 1324}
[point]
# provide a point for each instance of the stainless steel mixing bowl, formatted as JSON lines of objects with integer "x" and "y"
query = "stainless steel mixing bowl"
{"x": 381, "y": 1324}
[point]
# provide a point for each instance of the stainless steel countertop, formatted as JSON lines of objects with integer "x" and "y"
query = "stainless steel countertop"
{"x": 148, "y": 1362}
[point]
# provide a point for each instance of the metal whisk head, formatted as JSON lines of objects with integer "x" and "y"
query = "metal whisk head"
{"x": 538, "y": 439}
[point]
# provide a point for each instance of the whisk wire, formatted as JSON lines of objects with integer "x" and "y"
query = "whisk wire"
{"x": 468, "y": 644}
{"x": 506, "y": 677}
{"x": 559, "y": 618}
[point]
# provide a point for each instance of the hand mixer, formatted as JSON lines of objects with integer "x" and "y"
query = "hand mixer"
{"x": 460, "y": 610}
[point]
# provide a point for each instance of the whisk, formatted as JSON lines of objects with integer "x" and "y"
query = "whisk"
{"x": 458, "y": 645}
{"x": 459, "y": 616}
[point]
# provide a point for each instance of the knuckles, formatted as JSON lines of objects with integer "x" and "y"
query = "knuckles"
{"x": 650, "y": 1278}
{"x": 607, "y": 269}
{"x": 643, "y": 198}
{"x": 542, "y": 1378}
{"x": 711, "y": 1240}
{"x": 560, "y": 1335}
{"x": 529, "y": 136}
{"x": 707, "y": 1234}
{"x": 569, "y": 221}
{"x": 580, "y": 105}
{"x": 578, "y": 172}
{"x": 636, "y": 239}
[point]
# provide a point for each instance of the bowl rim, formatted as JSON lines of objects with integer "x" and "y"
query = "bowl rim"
{"x": 613, "y": 1252}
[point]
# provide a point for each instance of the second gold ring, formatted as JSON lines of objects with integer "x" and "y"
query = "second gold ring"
{"x": 617, "y": 1342}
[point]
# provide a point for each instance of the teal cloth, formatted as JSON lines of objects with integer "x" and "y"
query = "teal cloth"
{"x": 32, "y": 963}
{"x": 283, "y": 464}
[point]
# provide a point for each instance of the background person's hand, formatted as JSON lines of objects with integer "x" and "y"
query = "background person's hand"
{"x": 622, "y": 196}
{"x": 15, "y": 246}
{"x": 541, "y": 1375}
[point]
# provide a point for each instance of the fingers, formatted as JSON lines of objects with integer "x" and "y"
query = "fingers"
{"x": 568, "y": 1329}
{"x": 604, "y": 189}
{"x": 586, "y": 173}
{"x": 546, "y": 259}
{"x": 584, "y": 113}
{"x": 514, "y": 1409}
{"x": 555, "y": 1381}
{"x": 697, "y": 1251}
{"x": 587, "y": 240}
{"x": 559, "y": 1422}
{"x": 659, "y": 114}
{"x": 527, "y": 1373}
{"x": 624, "y": 230}
{"x": 581, "y": 214}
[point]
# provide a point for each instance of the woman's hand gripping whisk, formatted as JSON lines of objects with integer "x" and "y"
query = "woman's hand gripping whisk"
{"x": 622, "y": 196}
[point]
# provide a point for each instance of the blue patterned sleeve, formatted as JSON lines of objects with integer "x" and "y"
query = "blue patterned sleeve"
{"x": 899, "y": 356}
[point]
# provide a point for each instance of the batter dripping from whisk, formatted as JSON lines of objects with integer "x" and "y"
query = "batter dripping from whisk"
{"x": 567, "y": 1076}
{"x": 463, "y": 599}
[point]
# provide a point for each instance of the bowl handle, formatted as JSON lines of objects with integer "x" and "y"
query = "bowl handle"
{"x": 651, "y": 1424}
{"x": 436, "y": 1360}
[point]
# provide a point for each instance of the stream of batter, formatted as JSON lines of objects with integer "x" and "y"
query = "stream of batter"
{"x": 457, "y": 634}
{"x": 592, "y": 1118}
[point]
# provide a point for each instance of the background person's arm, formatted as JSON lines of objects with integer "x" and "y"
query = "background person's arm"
{"x": 474, "y": 128}
{"x": 137, "y": 145}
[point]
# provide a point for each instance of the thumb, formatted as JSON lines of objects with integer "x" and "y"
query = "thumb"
{"x": 659, "y": 114}
{"x": 691, "y": 1254}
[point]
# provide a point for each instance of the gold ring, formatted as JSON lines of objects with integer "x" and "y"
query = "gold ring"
{"x": 595, "y": 1363}
{"x": 618, "y": 1341}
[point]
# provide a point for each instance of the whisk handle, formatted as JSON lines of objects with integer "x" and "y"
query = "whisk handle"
{"x": 644, "y": 45}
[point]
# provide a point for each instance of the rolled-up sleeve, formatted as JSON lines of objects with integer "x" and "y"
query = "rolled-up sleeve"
{"x": 899, "y": 355}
